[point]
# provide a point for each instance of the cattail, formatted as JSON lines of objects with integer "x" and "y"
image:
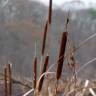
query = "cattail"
{"x": 45, "y": 64}
{"x": 43, "y": 71}
{"x": 9, "y": 74}
{"x": 61, "y": 55}
{"x": 50, "y": 12}
{"x": 44, "y": 38}
{"x": 46, "y": 26}
{"x": 5, "y": 81}
{"x": 35, "y": 72}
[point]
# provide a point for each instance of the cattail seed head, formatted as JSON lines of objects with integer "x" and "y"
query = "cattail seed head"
{"x": 50, "y": 12}
{"x": 44, "y": 37}
{"x": 61, "y": 55}
{"x": 9, "y": 75}
{"x": 5, "y": 81}
{"x": 43, "y": 71}
{"x": 35, "y": 72}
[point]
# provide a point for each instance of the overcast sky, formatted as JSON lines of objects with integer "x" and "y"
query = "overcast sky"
{"x": 59, "y": 2}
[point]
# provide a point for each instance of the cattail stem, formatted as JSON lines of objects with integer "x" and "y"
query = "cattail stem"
{"x": 61, "y": 54}
{"x": 43, "y": 71}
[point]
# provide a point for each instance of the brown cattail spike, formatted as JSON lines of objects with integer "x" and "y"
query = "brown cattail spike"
{"x": 5, "y": 81}
{"x": 35, "y": 72}
{"x": 45, "y": 64}
{"x": 9, "y": 74}
{"x": 43, "y": 71}
{"x": 61, "y": 55}
{"x": 50, "y": 12}
{"x": 44, "y": 37}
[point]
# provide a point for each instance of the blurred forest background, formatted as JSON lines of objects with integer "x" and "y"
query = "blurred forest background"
{"x": 21, "y": 25}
